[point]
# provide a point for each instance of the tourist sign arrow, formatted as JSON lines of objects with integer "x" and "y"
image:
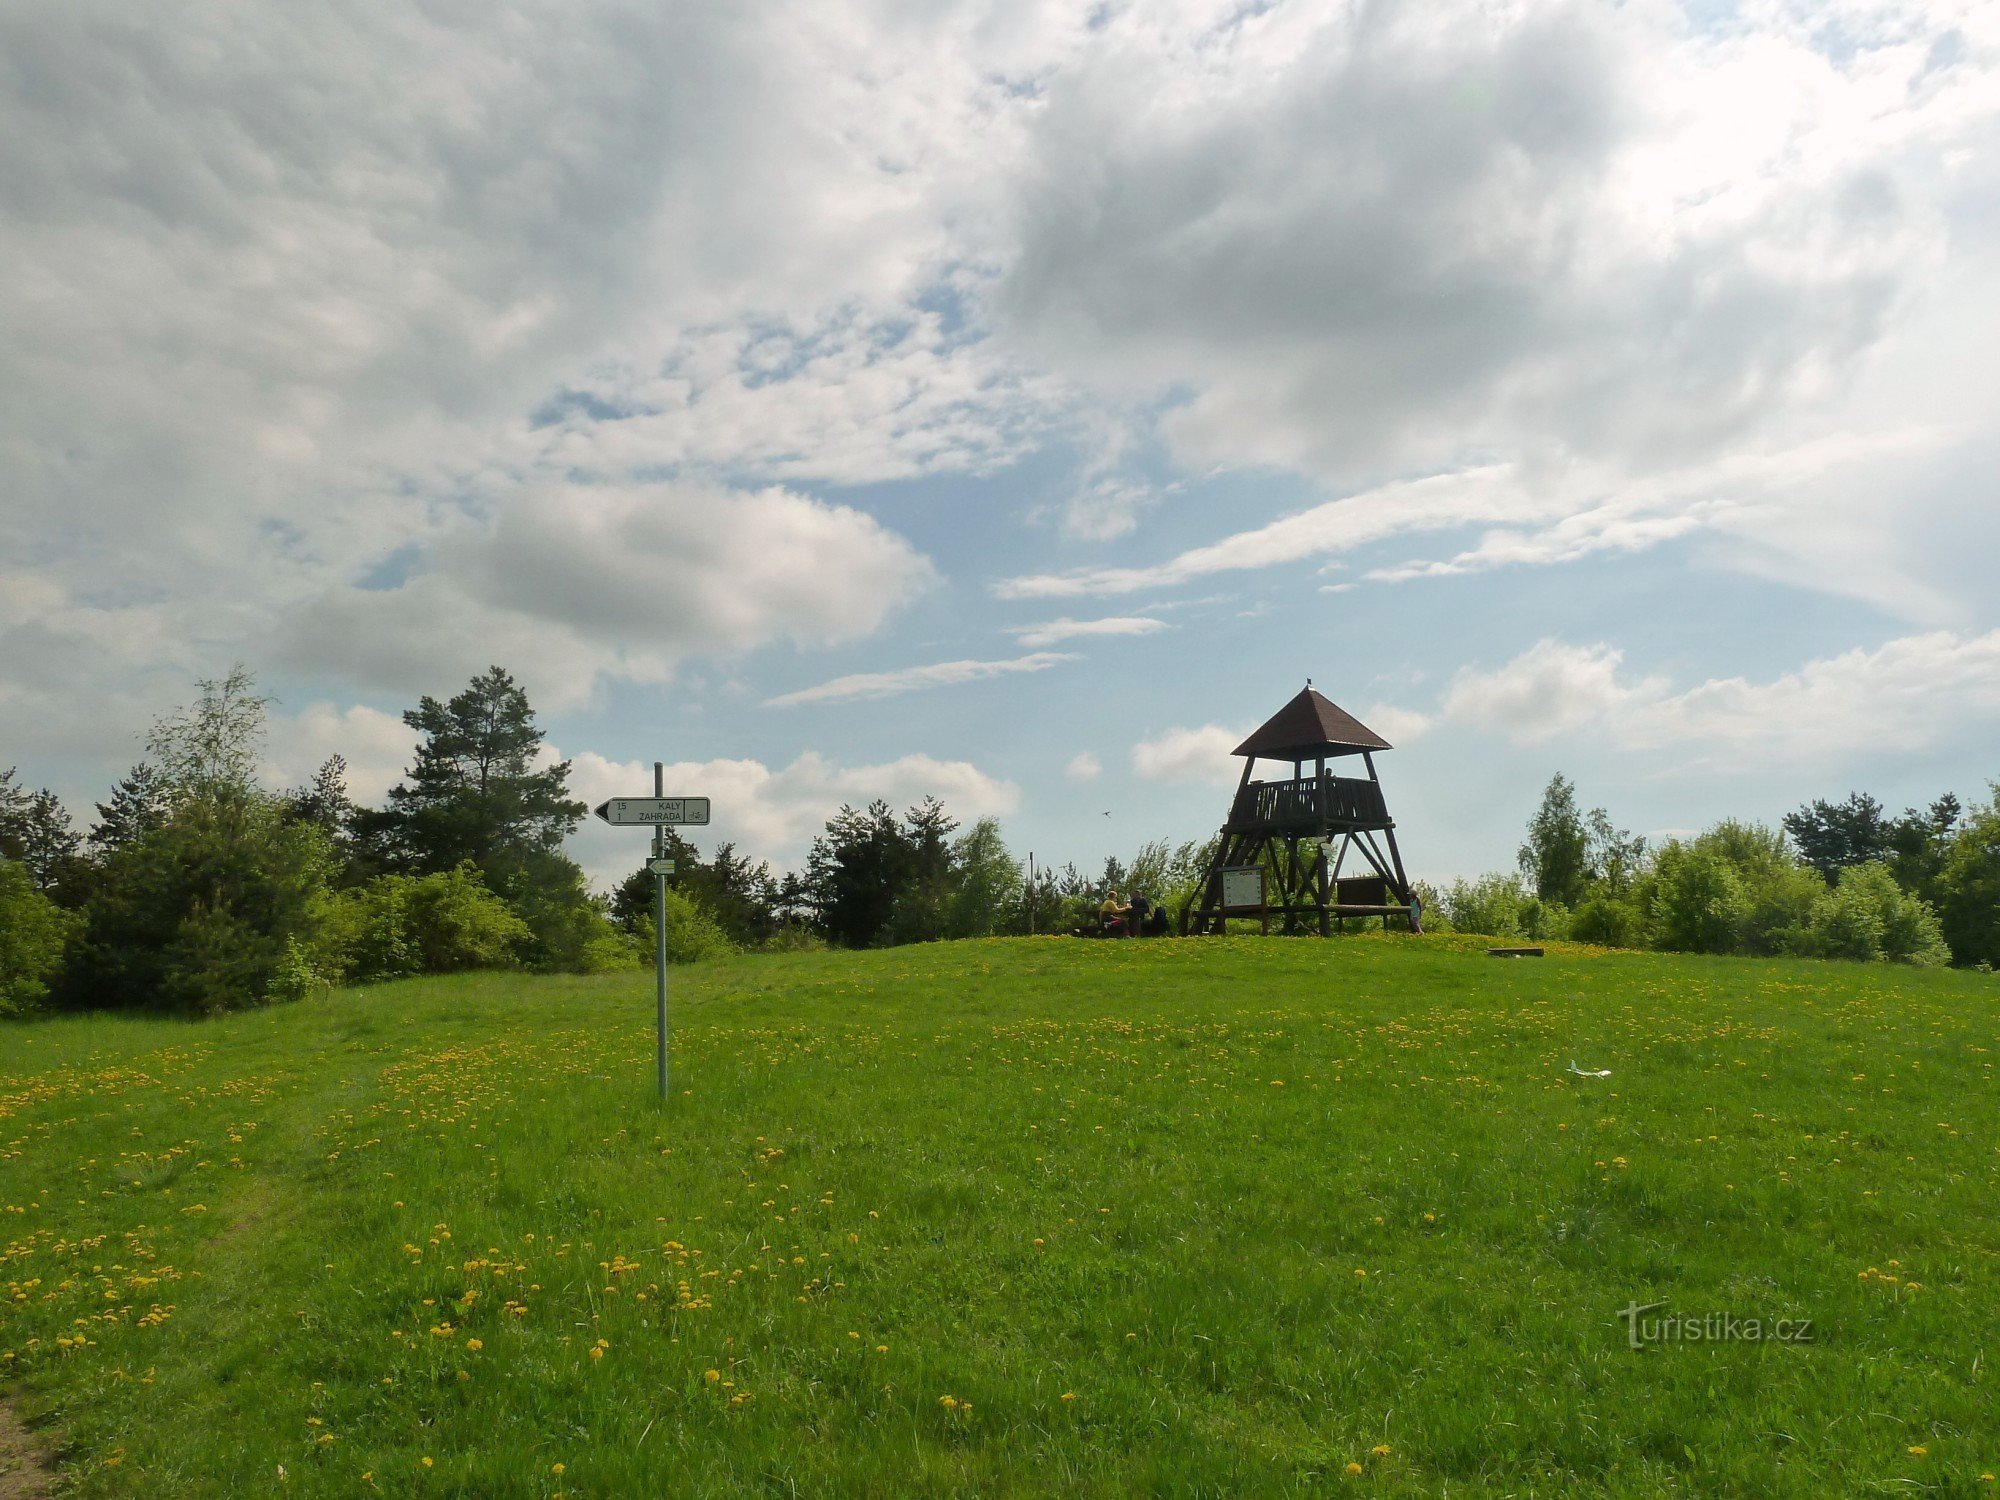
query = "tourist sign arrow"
{"x": 625, "y": 811}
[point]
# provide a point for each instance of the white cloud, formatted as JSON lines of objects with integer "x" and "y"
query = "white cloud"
{"x": 1106, "y": 509}
{"x": 849, "y": 398}
{"x": 1548, "y": 690}
{"x": 1201, "y": 754}
{"x": 1556, "y": 510}
{"x": 1387, "y": 237}
{"x": 1906, "y": 694}
{"x": 1485, "y": 494}
{"x": 1398, "y": 725}
{"x": 283, "y": 295}
{"x": 571, "y": 582}
{"x": 1563, "y": 259}
{"x": 1084, "y": 767}
{"x": 1055, "y": 632}
{"x": 259, "y": 257}
{"x": 863, "y": 686}
{"x": 377, "y": 747}
{"x": 772, "y": 813}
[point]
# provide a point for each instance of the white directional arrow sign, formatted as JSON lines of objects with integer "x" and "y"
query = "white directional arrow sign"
{"x": 626, "y": 811}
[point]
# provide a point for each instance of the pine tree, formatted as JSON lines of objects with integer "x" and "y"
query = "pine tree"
{"x": 36, "y": 832}
{"x": 1834, "y": 835}
{"x": 324, "y": 803}
{"x": 919, "y": 911}
{"x": 477, "y": 792}
{"x": 138, "y": 805}
{"x": 854, "y": 872}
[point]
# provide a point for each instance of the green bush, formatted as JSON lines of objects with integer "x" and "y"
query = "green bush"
{"x": 610, "y": 952}
{"x": 1867, "y": 916}
{"x": 33, "y": 932}
{"x": 1608, "y": 921}
{"x": 1969, "y": 887}
{"x": 1778, "y": 906}
{"x": 693, "y": 934}
{"x": 1501, "y": 906}
{"x": 422, "y": 924}
{"x": 569, "y": 930}
{"x": 299, "y": 973}
{"x": 1698, "y": 901}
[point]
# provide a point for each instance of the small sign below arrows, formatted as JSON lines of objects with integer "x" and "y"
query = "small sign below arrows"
{"x": 625, "y": 811}
{"x": 659, "y": 867}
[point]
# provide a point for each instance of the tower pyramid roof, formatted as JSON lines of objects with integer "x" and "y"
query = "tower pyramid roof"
{"x": 1308, "y": 726}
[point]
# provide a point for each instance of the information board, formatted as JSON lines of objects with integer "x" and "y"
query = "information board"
{"x": 1243, "y": 888}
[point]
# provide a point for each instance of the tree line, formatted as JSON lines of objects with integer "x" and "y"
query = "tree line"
{"x": 199, "y": 890}
{"x": 1836, "y": 879}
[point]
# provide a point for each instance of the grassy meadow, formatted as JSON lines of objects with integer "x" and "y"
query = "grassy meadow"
{"x": 1032, "y": 1216}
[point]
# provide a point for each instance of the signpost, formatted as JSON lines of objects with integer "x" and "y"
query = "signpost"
{"x": 659, "y": 812}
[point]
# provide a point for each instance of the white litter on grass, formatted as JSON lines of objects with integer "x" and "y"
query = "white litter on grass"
{"x": 1584, "y": 1073}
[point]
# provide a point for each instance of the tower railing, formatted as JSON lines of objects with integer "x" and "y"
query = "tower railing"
{"x": 1302, "y": 803}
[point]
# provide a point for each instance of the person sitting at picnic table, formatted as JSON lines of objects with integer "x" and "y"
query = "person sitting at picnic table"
{"x": 1111, "y": 915}
{"x": 1141, "y": 909}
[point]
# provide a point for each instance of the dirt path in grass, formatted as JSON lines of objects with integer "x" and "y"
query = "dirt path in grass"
{"x": 25, "y": 1471}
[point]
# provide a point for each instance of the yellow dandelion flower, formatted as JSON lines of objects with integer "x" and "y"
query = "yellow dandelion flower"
{"x": 1380, "y": 1450}
{"x": 1918, "y": 1450}
{"x": 555, "y": 1468}
{"x": 711, "y": 1376}
{"x": 1353, "y": 1467}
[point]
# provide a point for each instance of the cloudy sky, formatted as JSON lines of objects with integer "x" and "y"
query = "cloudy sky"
{"x": 1016, "y": 401}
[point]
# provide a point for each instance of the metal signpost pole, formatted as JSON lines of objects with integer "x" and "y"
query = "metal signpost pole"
{"x": 660, "y": 925}
{"x": 658, "y": 812}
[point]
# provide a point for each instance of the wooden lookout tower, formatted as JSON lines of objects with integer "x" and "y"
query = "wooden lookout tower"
{"x": 1300, "y": 832}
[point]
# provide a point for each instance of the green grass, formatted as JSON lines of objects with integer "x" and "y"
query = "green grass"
{"x": 1118, "y": 1197}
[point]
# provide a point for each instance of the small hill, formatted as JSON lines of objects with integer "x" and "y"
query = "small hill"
{"x": 1227, "y": 1216}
